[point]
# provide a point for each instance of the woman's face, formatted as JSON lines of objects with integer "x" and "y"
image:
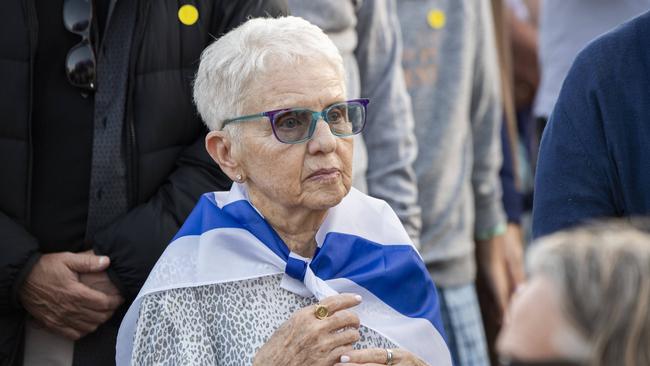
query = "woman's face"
{"x": 315, "y": 174}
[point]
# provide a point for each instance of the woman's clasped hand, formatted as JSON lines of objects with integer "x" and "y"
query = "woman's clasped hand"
{"x": 325, "y": 334}
{"x": 305, "y": 339}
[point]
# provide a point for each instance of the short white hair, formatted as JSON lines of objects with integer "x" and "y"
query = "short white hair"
{"x": 232, "y": 62}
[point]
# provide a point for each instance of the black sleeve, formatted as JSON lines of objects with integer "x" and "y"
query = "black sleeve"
{"x": 135, "y": 241}
{"x": 231, "y": 14}
{"x": 19, "y": 253}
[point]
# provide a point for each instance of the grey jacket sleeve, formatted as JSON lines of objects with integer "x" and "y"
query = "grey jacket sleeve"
{"x": 389, "y": 135}
{"x": 486, "y": 117}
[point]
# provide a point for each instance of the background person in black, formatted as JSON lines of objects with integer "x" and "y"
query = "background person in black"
{"x": 104, "y": 173}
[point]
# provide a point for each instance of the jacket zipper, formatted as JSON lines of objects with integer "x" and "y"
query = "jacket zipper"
{"x": 131, "y": 140}
{"x": 32, "y": 25}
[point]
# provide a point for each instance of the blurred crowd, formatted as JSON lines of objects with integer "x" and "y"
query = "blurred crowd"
{"x": 494, "y": 129}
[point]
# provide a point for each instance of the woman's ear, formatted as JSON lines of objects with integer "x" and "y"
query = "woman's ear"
{"x": 220, "y": 147}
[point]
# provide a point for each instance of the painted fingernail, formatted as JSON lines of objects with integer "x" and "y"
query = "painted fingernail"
{"x": 103, "y": 260}
{"x": 358, "y": 297}
{"x": 344, "y": 358}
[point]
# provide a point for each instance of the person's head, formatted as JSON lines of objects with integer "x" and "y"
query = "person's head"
{"x": 269, "y": 65}
{"x": 587, "y": 299}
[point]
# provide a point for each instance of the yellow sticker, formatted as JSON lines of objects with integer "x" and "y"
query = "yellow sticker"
{"x": 188, "y": 14}
{"x": 436, "y": 19}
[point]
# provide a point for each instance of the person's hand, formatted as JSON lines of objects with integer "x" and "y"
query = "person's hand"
{"x": 306, "y": 340}
{"x": 514, "y": 257}
{"x": 493, "y": 280}
{"x": 99, "y": 281}
{"x": 379, "y": 356}
{"x": 496, "y": 280}
{"x": 501, "y": 269}
{"x": 53, "y": 295}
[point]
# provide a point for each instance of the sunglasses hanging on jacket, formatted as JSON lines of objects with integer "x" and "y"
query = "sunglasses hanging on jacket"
{"x": 81, "y": 63}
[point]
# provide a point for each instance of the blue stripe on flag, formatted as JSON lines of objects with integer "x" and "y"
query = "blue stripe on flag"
{"x": 239, "y": 215}
{"x": 206, "y": 216}
{"x": 388, "y": 271}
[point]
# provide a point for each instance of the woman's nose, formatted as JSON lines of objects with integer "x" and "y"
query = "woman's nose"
{"x": 323, "y": 140}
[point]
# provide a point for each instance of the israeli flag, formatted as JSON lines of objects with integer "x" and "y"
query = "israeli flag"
{"x": 362, "y": 249}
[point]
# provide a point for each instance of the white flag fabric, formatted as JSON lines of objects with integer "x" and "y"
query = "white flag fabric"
{"x": 362, "y": 249}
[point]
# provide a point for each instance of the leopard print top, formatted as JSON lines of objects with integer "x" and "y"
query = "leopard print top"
{"x": 219, "y": 324}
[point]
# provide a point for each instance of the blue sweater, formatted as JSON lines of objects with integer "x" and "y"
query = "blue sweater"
{"x": 594, "y": 160}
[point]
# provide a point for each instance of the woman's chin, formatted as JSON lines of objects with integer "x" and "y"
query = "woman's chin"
{"x": 325, "y": 196}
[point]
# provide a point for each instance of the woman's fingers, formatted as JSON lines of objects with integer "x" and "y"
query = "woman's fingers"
{"x": 344, "y": 337}
{"x": 368, "y": 355}
{"x": 336, "y": 353}
{"x": 342, "y": 319}
{"x": 333, "y": 304}
{"x": 339, "y": 302}
{"x": 310, "y": 338}
{"x": 378, "y": 356}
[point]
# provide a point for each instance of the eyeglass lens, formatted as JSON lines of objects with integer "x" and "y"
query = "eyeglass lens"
{"x": 344, "y": 119}
{"x": 77, "y": 16}
{"x": 80, "y": 63}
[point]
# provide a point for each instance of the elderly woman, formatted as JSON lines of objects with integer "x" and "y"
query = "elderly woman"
{"x": 587, "y": 301}
{"x": 291, "y": 266}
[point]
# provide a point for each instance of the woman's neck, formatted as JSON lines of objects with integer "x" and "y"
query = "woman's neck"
{"x": 296, "y": 226}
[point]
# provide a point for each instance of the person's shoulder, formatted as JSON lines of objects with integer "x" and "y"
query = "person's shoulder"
{"x": 625, "y": 35}
{"x": 623, "y": 46}
{"x": 171, "y": 296}
{"x": 607, "y": 66}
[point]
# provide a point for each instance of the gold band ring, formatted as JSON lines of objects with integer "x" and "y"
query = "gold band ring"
{"x": 321, "y": 312}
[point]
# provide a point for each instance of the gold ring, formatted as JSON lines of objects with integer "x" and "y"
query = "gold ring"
{"x": 321, "y": 312}
{"x": 389, "y": 357}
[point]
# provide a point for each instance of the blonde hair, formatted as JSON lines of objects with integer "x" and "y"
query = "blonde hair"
{"x": 603, "y": 274}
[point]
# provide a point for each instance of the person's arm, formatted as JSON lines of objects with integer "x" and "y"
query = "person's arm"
{"x": 389, "y": 136}
{"x": 47, "y": 285}
{"x": 512, "y": 198}
{"x": 513, "y": 206}
{"x": 486, "y": 118}
{"x": 135, "y": 241}
{"x": 19, "y": 254}
{"x": 571, "y": 182}
{"x": 494, "y": 282}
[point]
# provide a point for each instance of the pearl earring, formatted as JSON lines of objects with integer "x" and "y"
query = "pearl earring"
{"x": 239, "y": 178}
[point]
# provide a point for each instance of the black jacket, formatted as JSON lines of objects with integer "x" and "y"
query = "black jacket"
{"x": 167, "y": 166}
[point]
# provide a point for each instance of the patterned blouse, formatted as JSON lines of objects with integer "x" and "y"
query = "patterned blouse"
{"x": 219, "y": 324}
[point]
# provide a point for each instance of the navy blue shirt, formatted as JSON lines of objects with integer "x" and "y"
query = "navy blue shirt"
{"x": 594, "y": 159}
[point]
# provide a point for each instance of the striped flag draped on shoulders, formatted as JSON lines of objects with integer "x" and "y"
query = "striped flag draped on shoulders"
{"x": 362, "y": 248}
